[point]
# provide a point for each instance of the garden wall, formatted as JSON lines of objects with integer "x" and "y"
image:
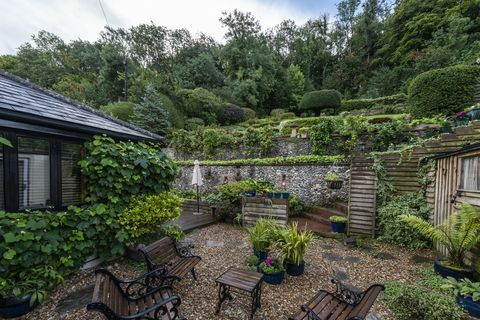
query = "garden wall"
{"x": 305, "y": 181}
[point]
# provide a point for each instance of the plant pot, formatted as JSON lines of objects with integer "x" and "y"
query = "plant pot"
{"x": 15, "y": 307}
{"x": 445, "y": 271}
{"x": 337, "y": 184}
{"x": 294, "y": 269}
{"x": 274, "y": 278}
{"x": 474, "y": 114}
{"x": 251, "y": 193}
{"x": 472, "y": 307}
{"x": 269, "y": 195}
{"x": 338, "y": 227}
{"x": 260, "y": 255}
{"x": 285, "y": 195}
{"x": 277, "y": 195}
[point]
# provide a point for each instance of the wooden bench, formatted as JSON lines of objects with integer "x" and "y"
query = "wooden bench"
{"x": 168, "y": 259}
{"x": 140, "y": 298}
{"x": 347, "y": 303}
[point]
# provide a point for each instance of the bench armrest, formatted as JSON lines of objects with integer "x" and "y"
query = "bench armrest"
{"x": 159, "y": 309}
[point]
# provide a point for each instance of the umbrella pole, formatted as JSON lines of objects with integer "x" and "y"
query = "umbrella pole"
{"x": 198, "y": 201}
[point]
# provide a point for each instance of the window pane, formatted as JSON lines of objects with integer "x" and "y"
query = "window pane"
{"x": 71, "y": 175}
{"x": 33, "y": 173}
{"x": 2, "y": 190}
{"x": 470, "y": 174}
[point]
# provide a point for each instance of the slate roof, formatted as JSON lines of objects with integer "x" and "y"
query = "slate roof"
{"x": 25, "y": 101}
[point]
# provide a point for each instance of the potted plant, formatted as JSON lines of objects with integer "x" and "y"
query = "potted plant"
{"x": 273, "y": 271}
{"x": 260, "y": 235}
{"x": 339, "y": 224}
{"x": 252, "y": 263}
{"x": 285, "y": 195}
{"x": 292, "y": 245}
{"x": 459, "y": 234}
{"x": 333, "y": 180}
{"x": 467, "y": 294}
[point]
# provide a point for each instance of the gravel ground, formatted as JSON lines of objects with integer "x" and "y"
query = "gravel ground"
{"x": 377, "y": 264}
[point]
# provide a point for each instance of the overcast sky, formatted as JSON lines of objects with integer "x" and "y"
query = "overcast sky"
{"x": 74, "y": 19}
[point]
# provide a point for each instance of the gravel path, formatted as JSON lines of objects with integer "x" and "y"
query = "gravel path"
{"x": 222, "y": 246}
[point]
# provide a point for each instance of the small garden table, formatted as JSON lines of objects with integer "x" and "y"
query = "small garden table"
{"x": 244, "y": 280}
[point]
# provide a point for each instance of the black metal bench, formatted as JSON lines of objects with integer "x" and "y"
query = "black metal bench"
{"x": 141, "y": 298}
{"x": 169, "y": 259}
{"x": 347, "y": 303}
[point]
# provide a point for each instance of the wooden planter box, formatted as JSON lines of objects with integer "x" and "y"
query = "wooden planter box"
{"x": 254, "y": 208}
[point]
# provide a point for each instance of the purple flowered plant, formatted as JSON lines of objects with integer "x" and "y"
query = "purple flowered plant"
{"x": 268, "y": 261}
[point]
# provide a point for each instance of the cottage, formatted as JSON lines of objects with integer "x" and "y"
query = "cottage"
{"x": 47, "y": 131}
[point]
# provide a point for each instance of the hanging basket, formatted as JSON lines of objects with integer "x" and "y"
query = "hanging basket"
{"x": 335, "y": 184}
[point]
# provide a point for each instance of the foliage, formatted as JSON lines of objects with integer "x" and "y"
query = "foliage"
{"x": 201, "y": 103}
{"x": 5, "y": 142}
{"x": 465, "y": 288}
{"x": 39, "y": 248}
{"x": 320, "y": 135}
{"x": 146, "y": 213}
{"x": 252, "y": 261}
{"x": 150, "y": 113}
{"x": 459, "y": 233}
{"x": 260, "y": 138}
{"x": 385, "y": 189}
{"x": 277, "y": 112}
{"x": 295, "y": 206}
{"x": 443, "y": 91}
{"x": 172, "y": 230}
{"x": 233, "y": 191}
{"x": 271, "y": 161}
{"x": 338, "y": 219}
{"x": 384, "y": 135}
{"x": 396, "y": 231}
{"x": 249, "y": 113}
{"x": 293, "y": 243}
{"x": 271, "y": 266}
{"x": 116, "y": 171}
{"x": 232, "y": 114}
{"x": 119, "y": 110}
{"x": 321, "y": 100}
{"x": 194, "y": 123}
{"x": 332, "y": 176}
{"x": 262, "y": 234}
{"x": 184, "y": 141}
{"x": 355, "y": 104}
{"x": 212, "y": 139}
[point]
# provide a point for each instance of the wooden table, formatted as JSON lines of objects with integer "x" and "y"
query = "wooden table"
{"x": 244, "y": 280}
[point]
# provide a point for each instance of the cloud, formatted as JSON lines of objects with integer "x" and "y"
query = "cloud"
{"x": 74, "y": 19}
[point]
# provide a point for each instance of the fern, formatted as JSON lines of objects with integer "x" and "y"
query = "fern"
{"x": 459, "y": 233}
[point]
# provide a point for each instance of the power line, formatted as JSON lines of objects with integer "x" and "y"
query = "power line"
{"x": 103, "y": 11}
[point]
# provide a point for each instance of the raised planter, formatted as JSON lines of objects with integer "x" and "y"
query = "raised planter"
{"x": 294, "y": 269}
{"x": 335, "y": 184}
{"x": 449, "y": 272}
{"x": 274, "y": 278}
{"x": 338, "y": 227}
{"x": 472, "y": 307}
{"x": 16, "y": 307}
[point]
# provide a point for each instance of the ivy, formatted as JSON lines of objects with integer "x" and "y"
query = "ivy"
{"x": 321, "y": 135}
{"x": 385, "y": 188}
{"x": 115, "y": 171}
{"x": 311, "y": 159}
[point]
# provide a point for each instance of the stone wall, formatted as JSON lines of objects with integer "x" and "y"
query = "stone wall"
{"x": 305, "y": 181}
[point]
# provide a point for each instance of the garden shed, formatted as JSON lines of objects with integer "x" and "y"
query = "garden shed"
{"x": 46, "y": 130}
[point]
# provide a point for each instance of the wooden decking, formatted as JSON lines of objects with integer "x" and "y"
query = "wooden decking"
{"x": 188, "y": 221}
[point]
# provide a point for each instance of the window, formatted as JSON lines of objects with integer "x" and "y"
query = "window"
{"x": 470, "y": 174}
{"x": 72, "y": 192}
{"x": 33, "y": 173}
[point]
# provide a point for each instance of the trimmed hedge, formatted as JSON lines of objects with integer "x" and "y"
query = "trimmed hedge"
{"x": 321, "y": 100}
{"x": 355, "y": 104}
{"x": 443, "y": 91}
{"x": 119, "y": 110}
{"x": 270, "y": 161}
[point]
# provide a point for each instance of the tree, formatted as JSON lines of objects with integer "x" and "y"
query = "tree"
{"x": 201, "y": 103}
{"x": 295, "y": 84}
{"x": 150, "y": 114}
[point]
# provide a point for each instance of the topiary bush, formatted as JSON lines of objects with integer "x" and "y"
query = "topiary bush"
{"x": 249, "y": 113}
{"x": 321, "y": 100}
{"x": 117, "y": 170}
{"x": 232, "y": 114}
{"x": 119, "y": 110}
{"x": 393, "y": 229}
{"x": 443, "y": 91}
{"x": 146, "y": 213}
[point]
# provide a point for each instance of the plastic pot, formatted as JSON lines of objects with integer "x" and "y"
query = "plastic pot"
{"x": 274, "y": 278}
{"x": 338, "y": 227}
{"x": 251, "y": 193}
{"x": 285, "y": 195}
{"x": 337, "y": 184}
{"x": 445, "y": 271}
{"x": 277, "y": 195}
{"x": 261, "y": 255}
{"x": 294, "y": 269}
{"x": 16, "y": 307}
{"x": 472, "y": 307}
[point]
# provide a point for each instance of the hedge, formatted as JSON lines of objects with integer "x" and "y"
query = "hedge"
{"x": 348, "y": 105}
{"x": 321, "y": 100}
{"x": 312, "y": 159}
{"x": 443, "y": 91}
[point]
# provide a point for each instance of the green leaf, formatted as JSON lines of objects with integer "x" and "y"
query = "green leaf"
{"x": 10, "y": 237}
{"x": 5, "y": 142}
{"x": 9, "y": 254}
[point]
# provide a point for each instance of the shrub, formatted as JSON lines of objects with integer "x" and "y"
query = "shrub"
{"x": 233, "y": 191}
{"x": 119, "y": 110}
{"x": 212, "y": 139}
{"x": 320, "y": 100}
{"x": 175, "y": 116}
{"x": 293, "y": 243}
{"x": 262, "y": 234}
{"x": 117, "y": 170}
{"x": 295, "y": 206}
{"x": 232, "y": 114}
{"x": 443, "y": 91}
{"x": 201, "y": 103}
{"x": 146, "y": 213}
{"x": 276, "y": 113}
{"x": 185, "y": 141}
{"x": 249, "y": 113}
{"x": 393, "y": 229}
{"x": 321, "y": 135}
{"x": 355, "y": 104}
{"x": 287, "y": 115}
{"x": 194, "y": 123}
